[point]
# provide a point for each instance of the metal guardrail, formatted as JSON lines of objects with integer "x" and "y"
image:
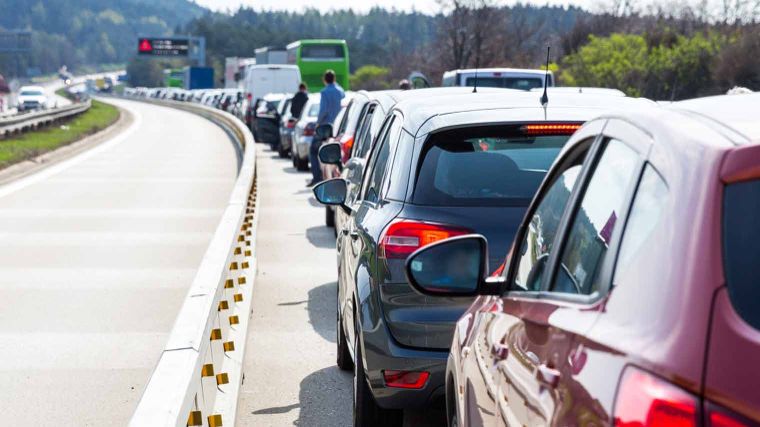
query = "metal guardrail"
{"x": 198, "y": 377}
{"x": 24, "y": 122}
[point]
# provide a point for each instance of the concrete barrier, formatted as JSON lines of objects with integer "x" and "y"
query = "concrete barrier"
{"x": 198, "y": 376}
{"x": 18, "y": 123}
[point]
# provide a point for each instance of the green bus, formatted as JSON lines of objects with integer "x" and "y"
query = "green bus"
{"x": 314, "y": 57}
{"x": 174, "y": 77}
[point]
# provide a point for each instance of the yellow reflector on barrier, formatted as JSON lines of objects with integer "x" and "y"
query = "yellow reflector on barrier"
{"x": 222, "y": 379}
{"x": 223, "y": 305}
{"x": 247, "y": 253}
{"x": 229, "y": 284}
{"x": 234, "y": 266}
{"x": 214, "y": 420}
{"x": 238, "y": 297}
{"x": 195, "y": 419}
{"x": 238, "y": 251}
{"x": 241, "y": 238}
{"x": 234, "y": 320}
{"x": 229, "y": 346}
{"x": 241, "y": 280}
{"x": 207, "y": 370}
{"x": 216, "y": 334}
{"x": 244, "y": 264}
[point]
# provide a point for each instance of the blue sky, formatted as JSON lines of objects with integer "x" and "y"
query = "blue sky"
{"x": 427, "y": 6}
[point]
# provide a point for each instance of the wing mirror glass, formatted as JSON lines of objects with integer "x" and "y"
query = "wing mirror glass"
{"x": 330, "y": 154}
{"x": 331, "y": 192}
{"x": 324, "y": 131}
{"x": 456, "y": 266}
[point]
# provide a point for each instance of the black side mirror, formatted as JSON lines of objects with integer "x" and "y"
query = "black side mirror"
{"x": 330, "y": 154}
{"x": 451, "y": 267}
{"x": 324, "y": 131}
{"x": 331, "y": 192}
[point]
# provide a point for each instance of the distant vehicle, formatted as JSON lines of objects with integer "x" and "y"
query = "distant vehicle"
{"x": 303, "y": 133}
{"x": 630, "y": 294}
{"x": 287, "y": 124}
{"x": 268, "y": 119}
{"x": 261, "y": 80}
{"x": 234, "y": 68}
{"x": 31, "y": 98}
{"x": 507, "y": 78}
{"x": 174, "y": 77}
{"x": 441, "y": 166}
{"x": 198, "y": 78}
{"x": 314, "y": 57}
{"x": 271, "y": 55}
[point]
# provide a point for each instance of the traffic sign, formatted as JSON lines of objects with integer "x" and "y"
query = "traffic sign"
{"x": 163, "y": 46}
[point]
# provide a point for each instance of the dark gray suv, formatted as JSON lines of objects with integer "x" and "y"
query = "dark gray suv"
{"x": 441, "y": 166}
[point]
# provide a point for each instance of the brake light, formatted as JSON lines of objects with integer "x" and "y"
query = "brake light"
{"x": 291, "y": 124}
{"x": 310, "y": 129}
{"x": 402, "y": 237}
{"x": 551, "y": 128}
{"x": 347, "y": 141}
{"x": 405, "y": 379}
{"x": 644, "y": 400}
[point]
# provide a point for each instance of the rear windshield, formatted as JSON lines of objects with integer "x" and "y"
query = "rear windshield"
{"x": 484, "y": 166}
{"x": 313, "y": 110}
{"x": 741, "y": 248}
{"x": 524, "y": 83}
{"x": 31, "y": 93}
{"x": 324, "y": 52}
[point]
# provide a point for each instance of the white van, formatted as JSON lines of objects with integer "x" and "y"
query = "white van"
{"x": 261, "y": 80}
{"x": 510, "y": 78}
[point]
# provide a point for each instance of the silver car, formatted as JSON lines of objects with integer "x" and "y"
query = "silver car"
{"x": 304, "y": 132}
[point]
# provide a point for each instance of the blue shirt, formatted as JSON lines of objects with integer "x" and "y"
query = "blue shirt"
{"x": 329, "y": 103}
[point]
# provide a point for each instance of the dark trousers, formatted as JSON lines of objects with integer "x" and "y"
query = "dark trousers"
{"x": 316, "y": 169}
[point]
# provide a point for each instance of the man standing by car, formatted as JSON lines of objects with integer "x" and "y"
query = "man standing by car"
{"x": 329, "y": 107}
{"x": 299, "y": 100}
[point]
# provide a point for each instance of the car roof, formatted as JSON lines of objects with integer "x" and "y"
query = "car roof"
{"x": 427, "y": 114}
{"x": 31, "y": 88}
{"x": 734, "y": 116}
{"x": 388, "y": 98}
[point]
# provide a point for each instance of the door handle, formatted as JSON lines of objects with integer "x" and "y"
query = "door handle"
{"x": 548, "y": 376}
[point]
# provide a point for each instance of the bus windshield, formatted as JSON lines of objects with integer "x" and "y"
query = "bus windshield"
{"x": 322, "y": 52}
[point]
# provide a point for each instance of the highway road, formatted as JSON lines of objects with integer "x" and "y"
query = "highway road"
{"x": 290, "y": 372}
{"x": 96, "y": 254}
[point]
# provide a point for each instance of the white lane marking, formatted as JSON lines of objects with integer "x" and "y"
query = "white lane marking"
{"x": 46, "y": 173}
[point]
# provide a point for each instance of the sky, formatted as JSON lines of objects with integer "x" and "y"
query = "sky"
{"x": 425, "y": 6}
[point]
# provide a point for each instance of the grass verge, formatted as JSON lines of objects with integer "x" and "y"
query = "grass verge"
{"x": 31, "y": 144}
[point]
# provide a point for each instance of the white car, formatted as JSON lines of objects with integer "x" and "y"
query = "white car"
{"x": 304, "y": 132}
{"x": 507, "y": 78}
{"x": 32, "y": 98}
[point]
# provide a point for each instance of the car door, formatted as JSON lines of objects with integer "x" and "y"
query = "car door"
{"x": 537, "y": 381}
{"x": 369, "y": 211}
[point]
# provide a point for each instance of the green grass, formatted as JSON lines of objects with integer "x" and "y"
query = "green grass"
{"x": 31, "y": 144}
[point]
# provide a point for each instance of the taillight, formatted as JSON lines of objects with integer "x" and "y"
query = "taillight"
{"x": 291, "y": 124}
{"x": 405, "y": 379}
{"x": 402, "y": 237}
{"x": 644, "y": 400}
{"x": 310, "y": 129}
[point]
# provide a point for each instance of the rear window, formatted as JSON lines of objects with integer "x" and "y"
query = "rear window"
{"x": 322, "y": 52}
{"x": 313, "y": 110}
{"x": 741, "y": 248}
{"x": 506, "y": 82}
{"x": 31, "y": 93}
{"x": 484, "y": 166}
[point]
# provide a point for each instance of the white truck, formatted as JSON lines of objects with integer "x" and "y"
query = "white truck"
{"x": 261, "y": 80}
{"x": 510, "y": 78}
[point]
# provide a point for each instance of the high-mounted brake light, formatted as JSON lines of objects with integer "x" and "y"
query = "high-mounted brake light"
{"x": 402, "y": 237}
{"x": 644, "y": 400}
{"x": 405, "y": 379}
{"x": 551, "y": 128}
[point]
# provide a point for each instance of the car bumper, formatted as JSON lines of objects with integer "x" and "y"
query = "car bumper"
{"x": 302, "y": 146}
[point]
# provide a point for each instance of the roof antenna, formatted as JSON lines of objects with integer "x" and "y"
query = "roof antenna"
{"x": 475, "y": 88}
{"x": 545, "y": 96}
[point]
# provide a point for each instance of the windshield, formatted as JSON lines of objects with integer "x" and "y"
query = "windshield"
{"x": 31, "y": 93}
{"x": 323, "y": 52}
{"x": 484, "y": 166}
{"x": 524, "y": 83}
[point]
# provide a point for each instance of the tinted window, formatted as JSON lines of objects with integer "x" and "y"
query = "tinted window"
{"x": 372, "y": 131}
{"x": 380, "y": 164}
{"x": 595, "y": 220}
{"x": 364, "y": 140}
{"x": 484, "y": 166}
{"x": 539, "y": 237}
{"x": 323, "y": 52}
{"x": 741, "y": 247}
{"x": 506, "y": 82}
{"x": 642, "y": 221}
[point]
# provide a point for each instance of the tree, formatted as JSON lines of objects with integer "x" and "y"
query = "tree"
{"x": 371, "y": 77}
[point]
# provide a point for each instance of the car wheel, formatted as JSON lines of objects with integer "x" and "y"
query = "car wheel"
{"x": 343, "y": 361}
{"x": 329, "y": 217}
{"x": 294, "y": 159}
{"x": 282, "y": 152}
{"x": 302, "y": 164}
{"x": 367, "y": 413}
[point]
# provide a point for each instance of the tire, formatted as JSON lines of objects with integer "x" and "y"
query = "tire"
{"x": 343, "y": 359}
{"x": 282, "y": 152}
{"x": 329, "y": 217}
{"x": 294, "y": 160}
{"x": 302, "y": 164}
{"x": 367, "y": 413}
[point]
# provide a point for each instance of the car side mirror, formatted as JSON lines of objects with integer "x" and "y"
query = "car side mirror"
{"x": 331, "y": 192}
{"x": 453, "y": 267}
{"x": 330, "y": 154}
{"x": 324, "y": 131}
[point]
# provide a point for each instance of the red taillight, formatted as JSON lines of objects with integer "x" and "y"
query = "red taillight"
{"x": 405, "y": 379}
{"x": 644, "y": 400}
{"x": 551, "y": 128}
{"x": 310, "y": 129}
{"x": 720, "y": 419}
{"x": 291, "y": 124}
{"x": 402, "y": 237}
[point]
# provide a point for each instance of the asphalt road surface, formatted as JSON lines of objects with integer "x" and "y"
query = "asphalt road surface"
{"x": 290, "y": 372}
{"x": 96, "y": 254}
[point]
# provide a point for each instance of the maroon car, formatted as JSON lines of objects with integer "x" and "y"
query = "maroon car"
{"x": 631, "y": 295}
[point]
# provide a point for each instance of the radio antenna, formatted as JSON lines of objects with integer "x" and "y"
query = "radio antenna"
{"x": 475, "y": 88}
{"x": 545, "y": 96}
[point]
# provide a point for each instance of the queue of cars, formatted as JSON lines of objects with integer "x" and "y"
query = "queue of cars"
{"x": 588, "y": 261}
